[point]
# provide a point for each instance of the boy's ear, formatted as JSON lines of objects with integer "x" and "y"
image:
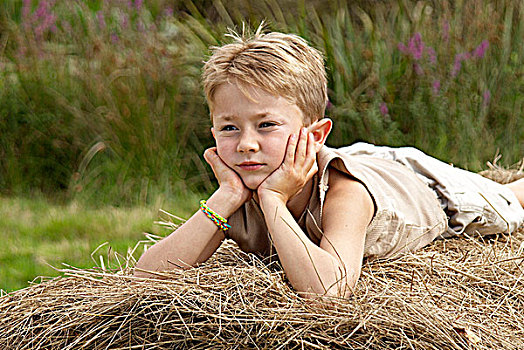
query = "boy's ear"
{"x": 320, "y": 130}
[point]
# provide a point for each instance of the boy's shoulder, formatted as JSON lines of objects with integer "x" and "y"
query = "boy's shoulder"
{"x": 347, "y": 189}
{"x": 346, "y": 199}
{"x": 335, "y": 175}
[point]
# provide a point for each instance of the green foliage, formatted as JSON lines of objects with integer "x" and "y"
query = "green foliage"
{"x": 111, "y": 80}
{"x": 102, "y": 100}
{"x": 461, "y": 117}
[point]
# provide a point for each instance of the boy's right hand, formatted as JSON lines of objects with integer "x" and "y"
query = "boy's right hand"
{"x": 228, "y": 180}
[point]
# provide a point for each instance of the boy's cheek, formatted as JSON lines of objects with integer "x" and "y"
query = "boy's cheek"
{"x": 219, "y": 147}
{"x": 223, "y": 155}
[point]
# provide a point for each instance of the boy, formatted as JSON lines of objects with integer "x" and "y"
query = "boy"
{"x": 322, "y": 210}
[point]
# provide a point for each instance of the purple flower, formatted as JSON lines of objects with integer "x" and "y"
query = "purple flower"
{"x": 486, "y": 98}
{"x": 456, "y": 67}
{"x": 384, "y": 109}
{"x": 402, "y": 48}
{"x": 51, "y": 22}
{"x": 42, "y": 20}
{"x": 436, "y": 87}
{"x": 432, "y": 55}
{"x": 138, "y": 4}
{"x": 114, "y": 38}
{"x": 480, "y": 50}
{"x": 458, "y": 62}
{"x": 41, "y": 10}
{"x": 445, "y": 31}
{"x": 101, "y": 20}
{"x": 416, "y": 48}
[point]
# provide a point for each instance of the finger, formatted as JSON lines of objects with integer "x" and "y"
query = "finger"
{"x": 213, "y": 159}
{"x": 210, "y": 154}
{"x": 290, "y": 151}
{"x": 311, "y": 154}
{"x": 300, "y": 154}
{"x": 312, "y": 172}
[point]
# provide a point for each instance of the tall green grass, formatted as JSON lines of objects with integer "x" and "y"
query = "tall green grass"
{"x": 106, "y": 99}
{"x": 102, "y": 101}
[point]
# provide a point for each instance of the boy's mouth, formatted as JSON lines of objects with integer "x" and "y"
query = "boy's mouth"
{"x": 250, "y": 166}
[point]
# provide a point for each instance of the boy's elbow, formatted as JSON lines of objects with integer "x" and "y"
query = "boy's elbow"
{"x": 146, "y": 273}
{"x": 343, "y": 289}
{"x": 142, "y": 270}
{"x": 145, "y": 268}
{"x": 344, "y": 286}
{"x": 149, "y": 266}
{"x": 142, "y": 273}
{"x": 329, "y": 295}
{"x": 343, "y": 292}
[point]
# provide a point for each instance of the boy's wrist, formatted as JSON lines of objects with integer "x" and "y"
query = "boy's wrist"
{"x": 270, "y": 198}
{"x": 224, "y": 202}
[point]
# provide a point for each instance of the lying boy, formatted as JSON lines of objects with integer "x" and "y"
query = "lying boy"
{"x": 322, "y": 210}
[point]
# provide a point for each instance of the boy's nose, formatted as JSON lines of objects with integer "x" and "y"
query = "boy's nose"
{"x": 247, "y": 143}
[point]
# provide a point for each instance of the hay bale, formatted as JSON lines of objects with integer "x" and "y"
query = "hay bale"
{"x": 454, "y": 294}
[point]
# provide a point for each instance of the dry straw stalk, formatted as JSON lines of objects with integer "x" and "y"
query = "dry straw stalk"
{"x": 464, "y": 293}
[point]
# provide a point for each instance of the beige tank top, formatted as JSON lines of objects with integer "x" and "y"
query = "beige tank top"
{"x": 407, "y": 215}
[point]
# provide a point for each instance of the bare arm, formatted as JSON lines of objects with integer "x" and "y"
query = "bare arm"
{"x": 348, "y": 210}
{"x": 198, "y": 238}
{"x": 192, "y": 243}
{"x": 333, "y": 268}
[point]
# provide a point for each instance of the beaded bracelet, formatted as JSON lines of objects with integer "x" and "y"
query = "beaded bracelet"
{"x": 216, "y": 218}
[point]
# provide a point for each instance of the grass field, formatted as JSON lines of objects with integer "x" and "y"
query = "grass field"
{"x": 37, "y": 234}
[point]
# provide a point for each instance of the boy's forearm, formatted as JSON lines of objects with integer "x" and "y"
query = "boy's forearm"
{"x": 309, "y": 268}
{"x": 183, "y": 247}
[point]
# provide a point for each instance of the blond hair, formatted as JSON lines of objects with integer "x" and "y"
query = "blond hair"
{"x": 282, "y": 64}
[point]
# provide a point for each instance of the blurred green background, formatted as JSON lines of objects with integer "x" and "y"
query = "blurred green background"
{"x": 103, "y": 119}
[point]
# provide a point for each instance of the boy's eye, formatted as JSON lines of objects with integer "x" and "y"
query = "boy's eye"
{"x": 267, "y": 124}
{"x": 228, "y": 128}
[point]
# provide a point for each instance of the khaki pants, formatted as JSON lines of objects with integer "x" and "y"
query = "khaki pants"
{"x": 473, "y": 204}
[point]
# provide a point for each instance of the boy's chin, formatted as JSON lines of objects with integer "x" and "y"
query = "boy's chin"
{"x": 253, "y": 187}
{"x": 252, "y": 184}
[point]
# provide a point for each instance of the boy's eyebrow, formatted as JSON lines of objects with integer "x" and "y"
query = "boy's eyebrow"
{"x": 226, "y": 117}
{"x": 229, "y": 117}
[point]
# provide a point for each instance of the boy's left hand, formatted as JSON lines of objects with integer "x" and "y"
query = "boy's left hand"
{"x": 298, "y": 167}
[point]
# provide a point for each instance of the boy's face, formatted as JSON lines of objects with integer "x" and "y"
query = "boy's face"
{"x": 252, "y": 134}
